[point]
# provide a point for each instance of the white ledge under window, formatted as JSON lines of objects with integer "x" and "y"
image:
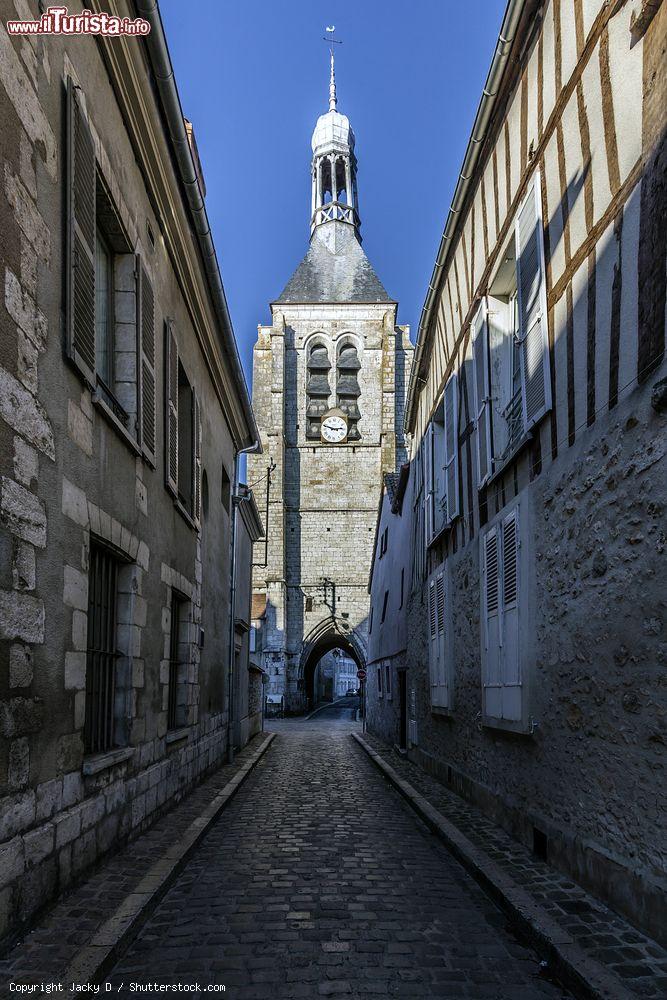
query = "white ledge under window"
{"x": 185, "y": 513}
{"x": 441, "y": 532}
{"x": 103, "y": 761}
{"x": 176, "y": 735}
{"x": 518, "y": 728}
{"x": 504, "y": 463}
{"x": 118, "y": 425}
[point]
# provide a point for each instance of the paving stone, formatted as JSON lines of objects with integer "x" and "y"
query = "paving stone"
{"x": 605, "y": 936}
{"x": 349, "y": 835}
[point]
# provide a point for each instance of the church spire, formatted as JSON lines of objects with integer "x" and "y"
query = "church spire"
{"x": 334, "y": 166}
{"x": 332, "y": 85}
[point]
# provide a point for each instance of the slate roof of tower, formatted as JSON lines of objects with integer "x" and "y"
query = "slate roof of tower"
{"x": 344, "y": 276}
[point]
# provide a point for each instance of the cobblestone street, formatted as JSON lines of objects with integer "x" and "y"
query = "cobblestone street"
{"x": 318, "y": 881}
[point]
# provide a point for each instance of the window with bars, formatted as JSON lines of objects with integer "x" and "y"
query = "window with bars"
{"x": 178, "y": 662}
{"x": 102, "y": 654}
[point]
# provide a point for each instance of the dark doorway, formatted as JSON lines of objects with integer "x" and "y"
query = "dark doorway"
{"x": 403, "y": 709}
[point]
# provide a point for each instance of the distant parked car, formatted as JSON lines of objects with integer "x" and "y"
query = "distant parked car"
{"x": 351, "y": 691}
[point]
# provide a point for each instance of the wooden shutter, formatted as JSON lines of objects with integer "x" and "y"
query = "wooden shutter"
{"x": 480, "y": 354}
{"x": 510, "y": 664}
{"x": 491, "y": 623}
{"x": 531, "y": 290}
{"x": 196, "y": 459}
{"x": 438, "y": 636}
{"x": 171, "y": 409}
{"x": 80, "y": 251}
{"x": 452, "y": 447}
{"x": 428, "y": 484}
{"x": 146, "y": 360}
{"x": 432, "y": 633}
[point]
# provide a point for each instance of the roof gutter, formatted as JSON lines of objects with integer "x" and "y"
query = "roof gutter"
{"x": 163, "y": 72}
{"x": 454, "y": 219}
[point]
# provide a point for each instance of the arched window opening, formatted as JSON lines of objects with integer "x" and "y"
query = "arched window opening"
{"x": 318, "y": 390}
{"x": 341, "y": 182}
{"x": 326, "y": 187}
{"x": 347, "y": 388}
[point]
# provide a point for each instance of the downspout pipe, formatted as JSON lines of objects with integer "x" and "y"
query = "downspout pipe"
{"x": 236, "y": 499}
{"x": 478, "y": 136}
{"x": 163, "y": 73}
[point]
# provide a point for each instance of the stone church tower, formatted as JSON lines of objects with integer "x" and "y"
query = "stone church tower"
{"x": 329, "y": 381}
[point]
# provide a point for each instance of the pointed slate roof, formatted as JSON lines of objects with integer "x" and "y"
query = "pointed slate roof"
{"x": 343, "y": 275}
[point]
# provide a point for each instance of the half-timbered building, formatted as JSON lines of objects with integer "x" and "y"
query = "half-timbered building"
{"x": 536, "y": 413}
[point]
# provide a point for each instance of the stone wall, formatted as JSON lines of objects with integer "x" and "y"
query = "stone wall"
{"x": 323, "y": 504}
{"x": 69, "y": 474}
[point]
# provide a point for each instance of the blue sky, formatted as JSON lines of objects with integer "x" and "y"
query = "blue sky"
{"x": 253, "y": 78}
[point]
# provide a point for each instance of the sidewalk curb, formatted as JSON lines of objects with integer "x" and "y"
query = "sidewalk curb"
{"x": 92, "y": 963}
{"x": 566, "y": 958}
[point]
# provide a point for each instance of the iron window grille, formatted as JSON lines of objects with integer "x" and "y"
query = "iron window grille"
{"x": 102, "y": 655}
{"x": 175, "y": 661}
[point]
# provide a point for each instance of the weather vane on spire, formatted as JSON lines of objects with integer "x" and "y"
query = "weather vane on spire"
{"x": 329, "y": 37}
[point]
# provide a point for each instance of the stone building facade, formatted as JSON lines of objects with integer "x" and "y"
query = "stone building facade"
{"x": 333, "y": 353}
{"x": 122, "y": 411}
{"x": 535, "y": 623}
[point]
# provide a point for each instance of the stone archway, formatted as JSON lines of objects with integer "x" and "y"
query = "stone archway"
{"x": 331, "y": 633}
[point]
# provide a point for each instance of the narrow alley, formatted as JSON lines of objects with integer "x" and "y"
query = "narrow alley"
{"x": 339, "y": 891}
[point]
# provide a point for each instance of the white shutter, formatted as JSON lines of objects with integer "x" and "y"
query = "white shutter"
{"x": 437, "y": 640}
{"x": 501, "y": 589}
{"x": 452, "y": 447}
{"x": 432, "y": 633}
{"x": 480, "y": 354}
{"x": 428, "y": 484}
{"x": 491, "y": 624}
{"x": 510, "y": 666}
{"x": 531, "y": 291}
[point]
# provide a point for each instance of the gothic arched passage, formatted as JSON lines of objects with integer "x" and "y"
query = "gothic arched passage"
{"x": 327, "y": 635}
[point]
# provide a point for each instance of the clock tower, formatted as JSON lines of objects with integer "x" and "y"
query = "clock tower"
{"x": 329, "y": 379}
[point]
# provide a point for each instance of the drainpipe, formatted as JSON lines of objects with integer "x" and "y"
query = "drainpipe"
{"x": 477, "y": 139}
{"x": 236, "y": 499}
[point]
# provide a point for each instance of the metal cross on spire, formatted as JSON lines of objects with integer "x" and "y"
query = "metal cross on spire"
{"x": 329, "y": 37}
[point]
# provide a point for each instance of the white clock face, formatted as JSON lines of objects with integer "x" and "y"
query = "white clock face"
{"x": 334, "y": 429}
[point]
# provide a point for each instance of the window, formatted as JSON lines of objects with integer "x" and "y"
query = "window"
{"x": 318, "y": 390}
{"x": 419, "y": 509}
{"x": 500, "y": 602}
{"x": 384, "y": 606}
{"x": 185, "y": 440}
{"x": 103, "y": 310}
{"x": 438, "y": 636}
{"x": 370, "y": 622}
{"x": 387, "y": 678}
{"x": 347, "y": 388}
{"x": 179, "y": 649}
{"x": 109, "y": 298}
{"x": 384, "y": 540}
{"x": 402, "y": 585}
{"x": 100, "y": 720}
{"x": 441, "y": 466}
{"x": 510, "y": 344}
{"x": 183, "y": 433}
{"x": 380, "y": 684}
